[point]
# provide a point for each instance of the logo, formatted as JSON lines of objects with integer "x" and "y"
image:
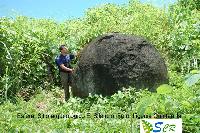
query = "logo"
{"x": 161, "y": 126}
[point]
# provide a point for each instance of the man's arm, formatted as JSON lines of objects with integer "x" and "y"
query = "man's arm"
{"x": 66, "y": 68}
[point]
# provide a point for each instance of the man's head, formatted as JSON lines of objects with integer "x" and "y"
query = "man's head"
{"x": 63, "y": 49}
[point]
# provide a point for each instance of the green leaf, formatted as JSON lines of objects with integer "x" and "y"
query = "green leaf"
{"x": 164, "y": 89}
{"x": 143, "y": 105}
{"x": 192, "y": 79}
{"x": 194, "y": 72}
{"x": 186, "y": 104}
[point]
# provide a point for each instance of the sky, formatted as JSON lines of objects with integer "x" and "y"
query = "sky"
{"x": 59, "y": 10}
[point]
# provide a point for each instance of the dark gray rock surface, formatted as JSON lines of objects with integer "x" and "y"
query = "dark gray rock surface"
{"x": 115, "y": 60}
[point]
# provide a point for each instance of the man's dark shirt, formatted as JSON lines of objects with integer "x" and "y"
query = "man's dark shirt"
{"x": 64, "y": 59}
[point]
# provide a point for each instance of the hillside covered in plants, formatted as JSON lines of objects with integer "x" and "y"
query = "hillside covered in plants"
{"x": 29, "y": 80}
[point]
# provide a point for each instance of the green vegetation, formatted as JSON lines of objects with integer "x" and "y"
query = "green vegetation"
{"x": 30, "y": 84}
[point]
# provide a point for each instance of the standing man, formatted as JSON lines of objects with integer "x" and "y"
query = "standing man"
{"x": 65, "y": 69}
